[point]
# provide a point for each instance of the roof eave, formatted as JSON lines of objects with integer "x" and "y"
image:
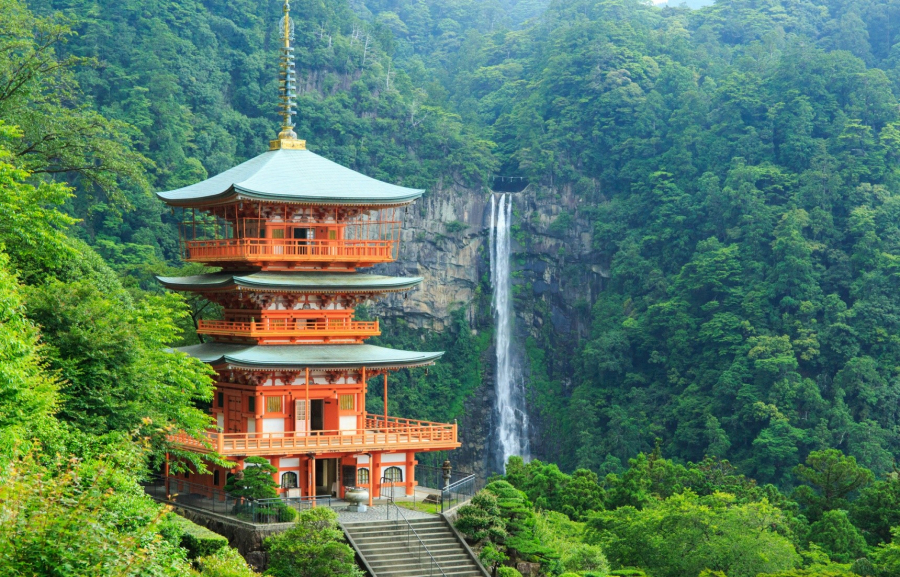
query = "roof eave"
{"x": 237, "y": 194}
{"x": 392, "y": 365}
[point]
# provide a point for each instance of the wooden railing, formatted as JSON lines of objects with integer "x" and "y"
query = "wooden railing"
{"x": 399, "y": 434}
{"x": 268, "y": 249}
{"x": 291, "y": 328}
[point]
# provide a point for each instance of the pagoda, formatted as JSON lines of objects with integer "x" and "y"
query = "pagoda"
{"x": 289, "y": 231}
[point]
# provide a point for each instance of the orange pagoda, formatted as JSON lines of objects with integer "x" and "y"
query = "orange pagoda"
{"x": 290, "y": 230}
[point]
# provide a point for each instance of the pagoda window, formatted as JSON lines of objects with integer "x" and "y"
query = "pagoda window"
{"x": 289, "y": 480}
{"x": 362, "y": 477}
{"x": 220, "y": 399}
{"x": 274, "y": 404}
{"x": 347, "y": 402}
{"x": 251, "y": 404}
{"x": 393, "y": 475}
{"x": 216, "y": 477}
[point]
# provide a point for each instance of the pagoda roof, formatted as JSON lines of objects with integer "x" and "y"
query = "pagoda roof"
{"x": 308, "y": 282}
{"x": 292, "y": 176}
{"x": 312, "y": 356}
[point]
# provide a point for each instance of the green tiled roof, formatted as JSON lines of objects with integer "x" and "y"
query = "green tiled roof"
{"x": 291, "y": 281}
{"x": 291, "y": 176}
{"x": 302, "y": 356}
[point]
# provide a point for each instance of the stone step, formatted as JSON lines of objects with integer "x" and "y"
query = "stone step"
{"x": 383, "y": 544}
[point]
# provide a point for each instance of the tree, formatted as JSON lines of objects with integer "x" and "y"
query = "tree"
{"x": 254, "y": 481}
{"x": 834, "y": 477}
{"x": 837, "y": 536}
{"x": 685, "y": 534}
{"x": 877, "y": 509}
{"x": 314, "y": 547}
{"x": 81, "y": 517}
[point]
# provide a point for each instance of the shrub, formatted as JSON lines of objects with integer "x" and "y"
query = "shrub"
{"x": 199, "y": 541}
{"x": 225, "y": 562}
{"x": 508, "y": 572}
{"x": 315, "y": 547}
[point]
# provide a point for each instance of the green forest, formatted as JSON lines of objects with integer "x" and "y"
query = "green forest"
{"x": 735, "y": 408}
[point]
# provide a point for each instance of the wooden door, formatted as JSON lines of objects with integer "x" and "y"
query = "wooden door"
{"x": 317, "y": 415}
{"x": 235, "y": 421}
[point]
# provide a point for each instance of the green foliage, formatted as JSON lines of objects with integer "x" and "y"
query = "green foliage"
{"x": 28, "y": 396}
{"x": 837, "y": 536}
{"x": 254, "y": 481}
{"x": 834, "y": 477}
{"x": 887, "y": 556}
{"x": 81, "y": 518}
{"x": 685, "y": 534}
{"x": 877, "y": 509}
{"x": 548, "y": 488}
{"x": 507, "y": 572}
{"x": 225, "y": 562}
{"x": 198, "y": 541}
{"x": 315, "y": 547}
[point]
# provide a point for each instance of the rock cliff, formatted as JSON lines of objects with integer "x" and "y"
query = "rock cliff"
{"x": 557, "y": 275}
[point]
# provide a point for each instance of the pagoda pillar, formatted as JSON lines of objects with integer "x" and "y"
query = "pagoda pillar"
{"x": 410, "y": 473}
{"x": 371, "y": 478}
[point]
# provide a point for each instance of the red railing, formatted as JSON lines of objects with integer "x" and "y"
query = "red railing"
{"x": 296, "y": 328}
{"x": 398, "y": 434}
{"x": 268, "y": 249}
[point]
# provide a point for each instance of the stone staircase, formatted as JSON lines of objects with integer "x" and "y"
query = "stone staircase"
{"x": 383, "y": 547}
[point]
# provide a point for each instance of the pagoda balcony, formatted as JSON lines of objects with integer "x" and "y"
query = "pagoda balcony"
{"x": 267, "y": 250}
{"x": 286, "y": 330}
{"x": 380, "y": 434}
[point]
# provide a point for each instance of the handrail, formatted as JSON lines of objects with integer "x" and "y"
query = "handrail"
{"x": 413, "y": 434}
{"x": 409, "y": 528}
{"x": 273, "y": 326}
{"x": 312, "y": 249}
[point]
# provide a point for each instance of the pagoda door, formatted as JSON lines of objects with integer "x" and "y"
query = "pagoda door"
{"x": 235, "y": 421}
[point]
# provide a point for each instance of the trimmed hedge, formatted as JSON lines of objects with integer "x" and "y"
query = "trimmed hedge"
{"x": 199, "y": 541}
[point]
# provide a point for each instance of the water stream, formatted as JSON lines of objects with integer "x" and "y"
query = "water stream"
{"x": 511, "y": 430}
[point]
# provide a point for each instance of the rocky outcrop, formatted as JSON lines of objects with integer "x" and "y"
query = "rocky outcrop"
{"x": 557, "y": 276}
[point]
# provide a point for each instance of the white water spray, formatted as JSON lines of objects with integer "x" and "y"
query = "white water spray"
{"x": 512, "y": 426}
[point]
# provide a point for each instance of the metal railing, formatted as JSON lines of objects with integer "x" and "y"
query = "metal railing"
{"x": 458, "y": 493}
{"x": 410, "y": 533}
{"x": 433, "y": 477}
{"x": 259, "y": 511}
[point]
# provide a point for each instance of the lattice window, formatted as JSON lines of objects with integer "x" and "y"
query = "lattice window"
{"x": 273, "y": 404}
{"x": 362, "y": 477}
{"x": 393, "y": 475}
{"x": 300, "y": 410}
{"x": 348, "y": 402}
{"x": 289, "y": 480}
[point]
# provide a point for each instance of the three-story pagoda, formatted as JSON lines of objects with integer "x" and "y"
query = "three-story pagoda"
{"x": 289, "y": 230}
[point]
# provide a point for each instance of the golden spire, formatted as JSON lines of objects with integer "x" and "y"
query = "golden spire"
{"x": 287, "y": 138}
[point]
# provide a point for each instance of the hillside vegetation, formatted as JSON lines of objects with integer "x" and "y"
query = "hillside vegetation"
{"x": 738, "y": 165}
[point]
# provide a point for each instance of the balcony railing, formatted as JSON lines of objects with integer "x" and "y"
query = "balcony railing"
{"x": 289, "y": 250}
{"x": 297, "y": 329}
{"x": 393, "y": 434}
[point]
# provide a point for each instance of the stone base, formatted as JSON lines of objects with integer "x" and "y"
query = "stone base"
{"x": 360, "y": 508}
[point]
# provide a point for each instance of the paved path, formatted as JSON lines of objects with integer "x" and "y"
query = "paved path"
{"x": 379, "y": 513}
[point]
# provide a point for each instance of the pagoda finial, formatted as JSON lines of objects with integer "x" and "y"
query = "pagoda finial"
{"x": 287, "y": 138}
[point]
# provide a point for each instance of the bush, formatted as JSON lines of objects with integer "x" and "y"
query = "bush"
{"x": 315, "y": 547}
{"x": 199, "y": 541}
{"x": 225, "y": 562}
{"x": 508, "y": 572}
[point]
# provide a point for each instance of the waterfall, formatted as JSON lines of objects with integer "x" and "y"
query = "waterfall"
{"x": 512, "y": 421}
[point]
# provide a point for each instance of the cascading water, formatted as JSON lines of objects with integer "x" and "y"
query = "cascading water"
{"x": 511, "y": 431}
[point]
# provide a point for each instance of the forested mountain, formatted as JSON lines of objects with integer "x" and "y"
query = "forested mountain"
{"x": 736, "y": 168}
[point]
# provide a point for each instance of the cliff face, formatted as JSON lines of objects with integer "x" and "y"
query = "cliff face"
{"x": 556, "y": 278}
